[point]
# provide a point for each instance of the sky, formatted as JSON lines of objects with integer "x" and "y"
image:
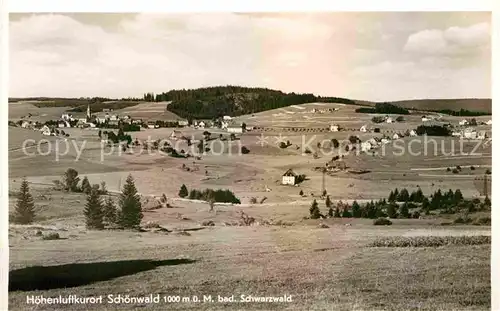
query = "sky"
{"x": 377, "y": 56}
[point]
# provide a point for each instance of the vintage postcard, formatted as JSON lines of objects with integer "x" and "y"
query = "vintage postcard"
{"x": 250, "y": 161}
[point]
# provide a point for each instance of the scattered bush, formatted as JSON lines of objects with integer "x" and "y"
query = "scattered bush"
{"x": 485, "y": 221}
{"x": 51, "y": 236}
{"x": 455, "y": 171}
{"x": 462, "y": 220}
{"x": 253, "y": 200}
{"x": 208, "y": 223}
{"x": 431, "y": 241}
{"x": 382, "y": 222}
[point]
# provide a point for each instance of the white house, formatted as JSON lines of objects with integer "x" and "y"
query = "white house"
{"x": 289, "y": 178}
{"x": 61, "y": 124}
{"x": 363, "y": 129}
{"x": 151, "y": 125}
{"x": 224, "y": 125}
{"x": 413, "y": 133}
{"x": 366, "y": 146}
{"x": 373, "y": 142}
{"x": 489, "y": 122}
{"x": 385, "y": 141}
{"x": 456, "y": 134}
{"x": 45, "y": 128}
{"x": 66, "y": 117}
{"x": 469, "y": 133}
{"x": 389, "y": 120}
{"x": 334, "y": 128}
{"x": 101, "y": 120}
{"x": 227, "y": 118}
{"x": 481, "y": 135}
{"x": 92, "y": 125}
{"x": 25, "y": 124}
{"x": 233, "y": 128}
{"x": 183, "y": 122}
{"x": 46, "y": 131}
{"x": 463, "y": 122}
{"x": 425, "y": 118}
{"x": 396, "y": 136}
{"x": 113, "y": 117}
{"x": 201, "y": 124}
{"x": 175, "y": 135}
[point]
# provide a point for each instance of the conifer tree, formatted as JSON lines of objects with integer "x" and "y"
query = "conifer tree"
{"x": 330, "y": 212}
{"x": 458, "y": 196}
{"x": 356, "y": 209}
{"x": 337, "y": 213}
{"x": 110, "y": 212}
{"x": 130, "y": 205}
{"x": 314, "y": 210}
{"x": 403, "y": 211}
{"x": 183, "y": 192}
{"x": 328, "y": 202}
{"x": 391, "y": 210}
{"x": 25, "y": 207}
{"x": 93, "y": 210}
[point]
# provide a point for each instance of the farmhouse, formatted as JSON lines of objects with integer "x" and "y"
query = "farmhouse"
{"x": 425, "y": 118}
{"x": 463, "y": 122}
{"x": 233, "y": 128}
{"x": 385, "y": 141}
{"x": 396, "y": 136}
{"x": 489, "y": 122}
{"x": 469, "y": 133}
{"x": 389, "y": 120}
{"x": 289, "y": 178}
{"x": 334, "y": 128}
{"x": 25, "y": 124}
{"x": 183, "y": 122}
{"x": 67, "y": 117}
{"x": 363, "y": 129}
{"x": 227, "y": 118}
{"x": 201, "y": 124}
{"x": 413, "y": 133}
{"x": 456, "y": 134}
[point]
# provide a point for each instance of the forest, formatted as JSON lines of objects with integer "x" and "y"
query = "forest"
{"x": 214, "y": 102}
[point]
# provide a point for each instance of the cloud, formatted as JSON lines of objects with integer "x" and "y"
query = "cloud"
{"x": 61, "y": 55}
{"x": 452, "y": 41}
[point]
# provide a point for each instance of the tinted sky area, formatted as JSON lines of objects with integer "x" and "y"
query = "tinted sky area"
{"x": 370, "y": 56}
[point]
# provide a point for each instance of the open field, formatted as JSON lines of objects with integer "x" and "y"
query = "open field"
{"x": 147, "y": 111}
{"x": 23, "y": 109}
{"x": 332, "y": 268}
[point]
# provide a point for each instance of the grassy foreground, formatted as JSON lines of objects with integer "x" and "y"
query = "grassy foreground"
{"x": 323, "y": 269}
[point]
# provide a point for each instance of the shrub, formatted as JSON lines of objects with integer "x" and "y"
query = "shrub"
{"x": 282, "y": 145}
{"x": 244, "y": 150}
{"x": 86, "y": 187}
{"x": 448, "y": 169}
{"x": 70, "y": 180}
{"x": 253, "y": 200}
{"x": 454, "y": 171}
{"x": 462, "y": 220}
{"x": 301, "y": 193}
{"x": 382, "y": 222}
{"x": 51, "y": 236}
{"x": 472, "y": 168}
{"x": 335, "y": 143}
{"x": 485, "y": 221}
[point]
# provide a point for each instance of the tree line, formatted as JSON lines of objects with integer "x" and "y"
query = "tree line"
{"x": 385, "y": 108}
{"x": 219, "y": 195}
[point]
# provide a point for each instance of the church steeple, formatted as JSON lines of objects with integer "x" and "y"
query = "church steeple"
{"x": 89, "y": 115}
